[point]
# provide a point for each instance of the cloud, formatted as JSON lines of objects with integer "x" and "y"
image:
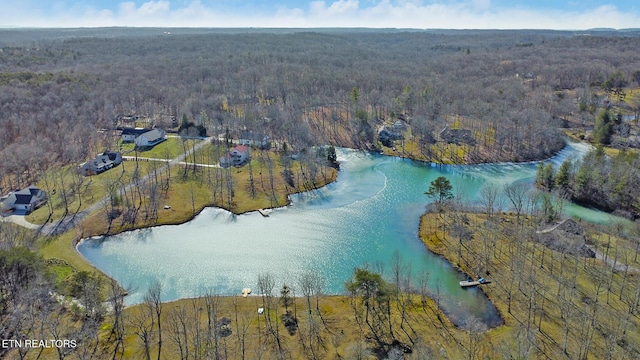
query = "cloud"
{"x": 153, "y": 8}
{"x": 340, "y": 7}
{"x": 343, "y": 6}
{"x": 449, "y": 14}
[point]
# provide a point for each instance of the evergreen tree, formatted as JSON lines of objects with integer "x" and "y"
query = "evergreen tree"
{"x": 331, "y": 154}
{"x": 603, "y": 128}
{"x": 545, "y": 176}
{"x": 440, "y": 190}
{"x": 583, "y": 180}
{"x": 540, "y": 174}
{"x": 562, "y": 177}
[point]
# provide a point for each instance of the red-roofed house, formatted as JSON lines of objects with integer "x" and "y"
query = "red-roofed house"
{"x": 237, "y": 156}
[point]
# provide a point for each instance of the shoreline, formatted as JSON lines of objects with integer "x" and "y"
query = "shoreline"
{"x": 333, "y": 179}
{"x": 433, "y": 248}
{"x": 79, "y": 240}
{"x": 447, "y": 311}
{"x": 178, "y": 221}
{"x": 406, "y": 156}
{"x": 567, "y": 143}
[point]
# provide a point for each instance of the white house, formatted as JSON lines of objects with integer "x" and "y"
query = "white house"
{"x": 150, "y": 138}
{"x": 251, "y": 138}
{"x": 130, "y": 134}
{"x": 27, "y": 200}
{"x": 101, "y": 163}
{"x": 399, "y": 126}
{"x": 237, "y": 156}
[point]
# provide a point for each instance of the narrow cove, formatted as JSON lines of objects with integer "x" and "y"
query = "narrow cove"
{"x": 372, "y": 211}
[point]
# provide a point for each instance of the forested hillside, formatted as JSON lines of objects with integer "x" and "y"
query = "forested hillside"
{"x": 511, "y": 90}
{"x": 440, "y": 96}
{"x": 608, "y": 183}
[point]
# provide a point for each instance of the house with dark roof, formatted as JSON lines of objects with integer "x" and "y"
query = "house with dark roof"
{"x": 237, "y": 156}
{"x": 27, "y": 200}
{"x": 387, "y": 135}
{"x": 457, "y": 136}
{"x": 130, "y": 134}
{"x": 101, "y": 163}
{"x": 128, "y": 118}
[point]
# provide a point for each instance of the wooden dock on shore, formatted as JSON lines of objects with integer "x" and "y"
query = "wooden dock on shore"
{"x": 264, "y": 212}
{"x": 470, "y": 283}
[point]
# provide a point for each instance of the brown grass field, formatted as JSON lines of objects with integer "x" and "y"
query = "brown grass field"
{"x": 568, "y": 306}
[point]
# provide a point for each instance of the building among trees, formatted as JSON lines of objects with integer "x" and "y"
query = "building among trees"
{"x": 101, "y": 163}
{"x": 237, "y": 156}
{"x": 130, "y": 134}
{"x": 150, "y": 138}
{"x": 27, "y": 200}
{"x": 143, "y": 137}
{"x": 253, "y": 138}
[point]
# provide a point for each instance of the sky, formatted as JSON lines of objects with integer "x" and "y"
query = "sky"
{"x": 419, "y": 14}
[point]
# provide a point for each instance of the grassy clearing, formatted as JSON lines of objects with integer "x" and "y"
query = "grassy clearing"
{"x": 62, "y": 248}
{"x": 209, "y": 154}
{"x": 70, "y": 192}
{"x": 61, "y": 273}
{"x": 438, "y": 153}
{"x": 169, "y": 149}
{"x": 569, "y": 306}
{"x": 83, "y": 191}
{"x": 190, "y": 190}
{"x": 336, "y": 336}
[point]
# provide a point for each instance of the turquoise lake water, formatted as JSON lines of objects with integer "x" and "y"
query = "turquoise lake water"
{"x": 370, "y": 212}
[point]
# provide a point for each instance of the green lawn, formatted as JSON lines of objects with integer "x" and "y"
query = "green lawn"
{"x": 209, "y": 154}
{"x": 62, "y": 248}
{"x": 169, "y": 149}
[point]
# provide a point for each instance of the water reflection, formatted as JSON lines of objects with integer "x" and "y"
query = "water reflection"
{"x": 372, "y": 211}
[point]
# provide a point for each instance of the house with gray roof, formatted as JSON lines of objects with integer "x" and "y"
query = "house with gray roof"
{"x": 101, "y": 163}
{"x": 150, "y": 139}
{"x": 25, "y": 200}
{"x": 130, "y": 134}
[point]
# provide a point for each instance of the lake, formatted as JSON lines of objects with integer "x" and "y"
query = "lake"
{"x": 370, "y": 212}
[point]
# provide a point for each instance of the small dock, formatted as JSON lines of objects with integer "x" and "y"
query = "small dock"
{"x": 470, "y": 283}
{"x": 264, "y": 212}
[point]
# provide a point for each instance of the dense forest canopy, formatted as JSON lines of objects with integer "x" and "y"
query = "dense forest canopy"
{"x": 511, "y": 89}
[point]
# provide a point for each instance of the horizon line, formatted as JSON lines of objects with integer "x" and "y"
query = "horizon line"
{"x": 19, "y": 27}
